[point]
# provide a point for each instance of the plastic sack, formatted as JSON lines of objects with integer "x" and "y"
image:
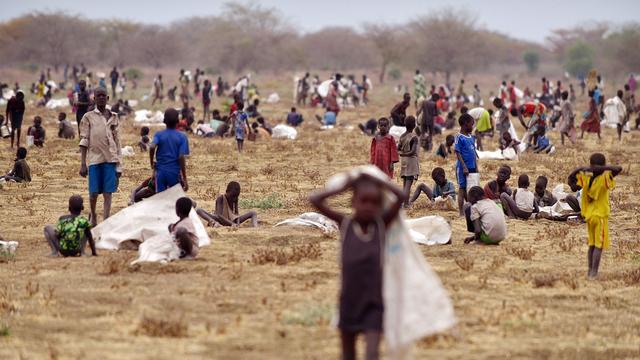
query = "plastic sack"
{"x": 8, "y": 247}
{"x": 397, "y": 131}
{"x": 473, "y": 179}
{"x": 312, "y": 219}
{"x": 273, "y": 98}
{"x": 30, "y": 140}
{"x": 57, "y": 103}
{"x": 159, "y": 248}
{"x": 430, "y": 230}
{"x": 127, "y": 151}
{"x": 282, "y": 131}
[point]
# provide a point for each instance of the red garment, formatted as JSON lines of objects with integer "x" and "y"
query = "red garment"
{"x": 512, "y": 95}
{"x": 592, "y": 122}
{"x": 233, "y": 108}
{"x": 183, "y": 125}
{"x": 384, "y": 153}
{"x": 529, "y": 108}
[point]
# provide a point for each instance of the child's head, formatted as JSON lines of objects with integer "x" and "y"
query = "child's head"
{"x": 383, "y": 126}
{"x": 260, "y": 120}
{"x": 439, "y": 176}
{"x": 215, "y": 113}
{"x": 406, "y": 97}
{"x": 62, "y": 116}
{"x": 573, "y": 184}
{"x": 255, "y": 126}
{"x": 475, "y": 194}
{"x": 597, "y": 159}
{"x": 435, "y": 97}
{"x": 293, "y": 109}
{"x": 490, "y": 111}
{"x": 240, "y": 106}
{"x": 504, "y": 173}
{"x": 620, "y": 94}
{"x": 523, "y": 181}
{"x": 464, "y": 110}
{"x": 565, "y": 95}
{"x": 466, "y": 123}
{"x": 144, "y": 131}
{"x": 183, "y": 207}
{"x": 410, "y": 123}
{"x": 20, "y": 95}
{"x": 37, "y": 120}
{"x": 367, "y": 200}
{"x": 233, "y": 190}
{"x": 21, "y": 153}
{"x": 497, "y": 102}
{"x": 171, "y": 118}
{"x": 541, "y": 184}
{"x": 450, "y": 139}
{"x": 76, "y": 204}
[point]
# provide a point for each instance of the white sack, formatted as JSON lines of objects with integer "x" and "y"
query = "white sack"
{"x": 57, "y": 103}
{"x": 397, "y": 131}
{"x": 9, "y": 247}
{"x": 312, "y": 219}
{"x": 144, "y": 220}
{"x": 282, "y": 131}
{"x": 429, "y": 230}
{"x": 273, "y": 98}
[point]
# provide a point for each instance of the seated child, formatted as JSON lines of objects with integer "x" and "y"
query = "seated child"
{"x": 495, "y": 188}
{"x": 574, "y": 200}
{"x": 70, "y": 236}
{"x": 369, "y": 128}
{"x": 485, "y": 219}
{"x": 450, "y": 121}
{"x": 521, "y": 204}
{"x": 21, "y": 171}
{"x": 144, "y": 139}
{"x": 444, "y": 150}
{"x": 441, "y": 187}
{"x": 226, "y": 212}
{"x": 507, "y": 142}
{"x": 543, "y": 144}
{"x": 260, "y": 132}
{"x": 146, "y": 189}
{"x": 543, "y": 196}
{"x": 293, "y": 118}
{"x": 204, "y": 130}
{"x": 264, "y": 125}
{"x": 37, "y": 131}
{"x": 65, "y": 130}
{"x": 183, "y": 232}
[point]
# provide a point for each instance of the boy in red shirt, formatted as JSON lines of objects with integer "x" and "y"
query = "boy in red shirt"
{"x": 384, "y": 152}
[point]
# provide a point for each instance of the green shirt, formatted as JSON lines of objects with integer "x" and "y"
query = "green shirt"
{"x": 70, "y": 231}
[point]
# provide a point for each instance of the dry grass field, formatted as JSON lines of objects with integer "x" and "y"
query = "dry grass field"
{"x": 270, "y": 293}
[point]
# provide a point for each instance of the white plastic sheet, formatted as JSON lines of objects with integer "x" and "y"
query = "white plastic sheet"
{"x": 286, "y": 132}
{"x": 415, "y": 302}
{"x": 57, "y": 103}
{"x": 397, "y": 131}
{"x": 144, "y": 220}
{"x": 148, "y": 116}
{"x": 312, "y": 219}
{"x": 429, "y": 230}
{"x": 507, "y": 154}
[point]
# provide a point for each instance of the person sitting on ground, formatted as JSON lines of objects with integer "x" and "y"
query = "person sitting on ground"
{"x": 183, "y": 232}
{"x": 543, "y": 197}
{"x": 37, "y": 131}
{"x": 65, "y": 130}
{"x": 227, "y": 212}
{"x": 441, "y": 188}
{"x": 264, "y": 125}
{"x": 260, "y": 132}
{"x": 204, "y": 130}
{"x": 384, "y": 153}
{"x": 71, "y": 234}
{"x": 574, "y": 200}
{"x": 445, "y": 148}
{"x": 329, "y": 118}
{"x": 543, "y": 144}
{"x": 20, "y": 171}
{"x": 484, "y": 218}
{"x": 369, "y": 128}
{"x": 521, "y": 204}
{"x": 450, "y": 121}
{"x": 494, "y": 188}
{"x": 145, "y": 190}
{"x": 293, "y": 118}
{"x": 144, "y": 139}
{"x": 507, "y": 142}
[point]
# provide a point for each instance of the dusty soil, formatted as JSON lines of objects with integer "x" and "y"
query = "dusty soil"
{"x": 270, "y": 293}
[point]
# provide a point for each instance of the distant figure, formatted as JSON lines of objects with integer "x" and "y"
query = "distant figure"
{"x": 158, "y": 88}
{"x": 14, "y": 115}
{"x": 226, "y": 212}
{"x": 114, "y": 81}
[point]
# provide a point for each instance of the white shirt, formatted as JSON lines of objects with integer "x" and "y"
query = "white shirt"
{"x": 524, "y": 199}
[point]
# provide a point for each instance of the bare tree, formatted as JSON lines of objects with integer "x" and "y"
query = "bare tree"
{"x": 388, "y": 43}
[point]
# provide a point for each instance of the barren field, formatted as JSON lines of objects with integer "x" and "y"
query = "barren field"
{"x": 270, "y": 293}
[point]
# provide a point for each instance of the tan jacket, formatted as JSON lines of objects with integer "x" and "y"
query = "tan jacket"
{"x": 100, "y": 137}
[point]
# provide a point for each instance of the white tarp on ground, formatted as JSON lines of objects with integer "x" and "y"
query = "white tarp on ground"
{"x": 144, "y": 220}
{"x": 415, "y": 302}
{"x": 506, "y": 154}
{"x": 314, "y": 220}
{"x": 286, "y": 132}
{"x": 148, "y": 116}
{"x": 560, "y": 208}
{"x": 429, "y": 230}
{"x": 273, "y": 98}
{"x": 8, "y": 247}
{"x": 57, "y": 103}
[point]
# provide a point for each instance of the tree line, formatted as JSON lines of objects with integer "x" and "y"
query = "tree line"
{"x": 249, "y": 37}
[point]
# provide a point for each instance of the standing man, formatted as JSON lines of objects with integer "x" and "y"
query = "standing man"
{"x": 158, "y": 88}
{"x": 114, "y": 81}
{"x": 419, "y": 88}
{"x": 82, "y": 102}
{"x": 15, "y": 114}
{"x": 100, "y": 145}
{"x": 429, "y": 112}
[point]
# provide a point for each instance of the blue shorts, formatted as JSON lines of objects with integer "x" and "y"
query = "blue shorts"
{"x": 102, "y": 178}
{"x": 462, "y": 180}
{"x": 166, "y": 179}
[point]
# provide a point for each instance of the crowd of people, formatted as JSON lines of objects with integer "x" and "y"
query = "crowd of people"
{"x": 437, "y": 110}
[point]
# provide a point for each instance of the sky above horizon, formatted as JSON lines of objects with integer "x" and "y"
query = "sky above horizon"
{"x": 524, "y": 21}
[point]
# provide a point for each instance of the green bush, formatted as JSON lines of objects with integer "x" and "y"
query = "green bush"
{"x": 532, "y": 59}
{"x": 133, "y": 73}
{"x": 395, "y": 74}
{"x": 579, "y": 59}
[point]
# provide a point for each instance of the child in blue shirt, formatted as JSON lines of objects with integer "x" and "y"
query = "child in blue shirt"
{"x": 543, "y": 145}
{"x": 465, "y": 150}
{"x": 168, "y": 152}
{"x": 441, "y": 187}
{"x": 241, "y": 124}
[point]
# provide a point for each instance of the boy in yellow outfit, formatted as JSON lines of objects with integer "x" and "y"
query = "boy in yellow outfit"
{"x": 596, "y": 181}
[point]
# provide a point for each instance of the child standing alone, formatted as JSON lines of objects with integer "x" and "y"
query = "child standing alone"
{"x": 383, "y": 149}
{"x": 409, "y": 164}
{"x": 465, "y": 149}
{"x": 363, "y": 236}
{"x": 596, "y": 181}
